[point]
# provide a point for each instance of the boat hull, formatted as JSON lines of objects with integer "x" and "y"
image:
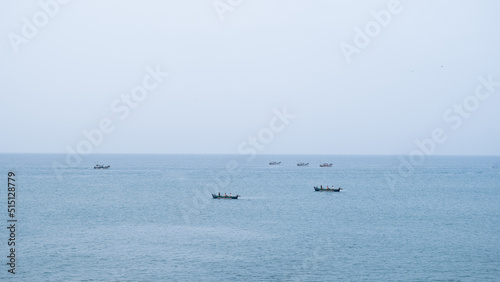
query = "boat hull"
{"x": 327, "y": 190}
{"x": 102, "y": 167}
{"x": 225, "y": 197}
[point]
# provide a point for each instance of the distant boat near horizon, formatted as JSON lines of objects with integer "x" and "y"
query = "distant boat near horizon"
{"x": 325, "y": 165}
{"x": 302, "y": 164}
{"x": 98, "y": 166}
{"x": 321, "y": 189}
{"x": 274, "y": 163}
{"x": 219, "y": 196}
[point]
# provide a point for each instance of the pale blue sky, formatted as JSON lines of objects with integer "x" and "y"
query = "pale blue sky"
{"x": 227, "y": 76}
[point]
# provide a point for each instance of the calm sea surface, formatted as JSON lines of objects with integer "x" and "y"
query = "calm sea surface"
{"x": 152, "y": 218}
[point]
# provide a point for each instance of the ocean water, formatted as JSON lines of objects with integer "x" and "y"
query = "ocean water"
{"x": 152, "y": 218}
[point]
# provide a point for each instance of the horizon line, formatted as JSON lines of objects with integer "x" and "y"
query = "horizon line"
{"x": 265, "y": 154}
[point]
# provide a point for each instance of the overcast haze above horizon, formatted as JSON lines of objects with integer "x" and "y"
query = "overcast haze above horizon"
{"x": 277, "y": 77}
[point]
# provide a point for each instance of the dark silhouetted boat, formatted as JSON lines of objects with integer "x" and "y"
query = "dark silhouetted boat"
{"x": 302, "y": 164}
{"x": 98, "y": 166}
{"x": 274, "y": 163}
{"x": 325, "y": 165}
{"x": 321, "y": 189}
{"x": 219, "y": 196}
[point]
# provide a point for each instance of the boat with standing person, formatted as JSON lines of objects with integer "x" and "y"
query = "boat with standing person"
{"x": 98, "y": 166}
{"x": 225, "y": 196}
{"x": 327, "y": 189}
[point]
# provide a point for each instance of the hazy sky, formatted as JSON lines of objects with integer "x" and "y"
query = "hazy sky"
{"x": 232, "y": 64}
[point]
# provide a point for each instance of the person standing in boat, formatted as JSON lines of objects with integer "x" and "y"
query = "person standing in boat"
{"x": 219, "y": 194}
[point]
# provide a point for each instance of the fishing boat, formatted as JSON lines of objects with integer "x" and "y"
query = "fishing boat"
{"x": 219, "y": 196}
{"x": 325, "y": 165}
{"x": 302, "y": 164}
{"x": 274, "y": 163}
{"x": 98, "y": 166}
{"x": 321, "y": 189}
